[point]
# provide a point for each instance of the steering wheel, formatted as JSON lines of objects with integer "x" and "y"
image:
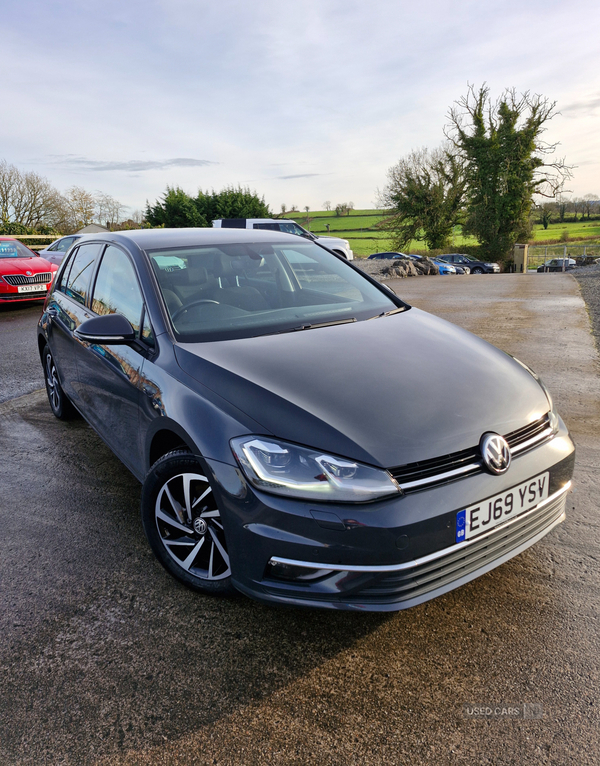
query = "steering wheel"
{"x": 189, "y": 306}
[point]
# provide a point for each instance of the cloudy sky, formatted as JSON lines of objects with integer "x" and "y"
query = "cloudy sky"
{"x": 303, "y": 102}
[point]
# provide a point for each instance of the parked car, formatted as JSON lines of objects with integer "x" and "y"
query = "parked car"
{"x": 24, "y": 275}
{"x": 55, "y": 252}
{"x": 476, "y": 267}
{"x": 556, "y": 264}
{"x": 247, "y": 384}
{"x": 286, "y": 225}
{"x": 443, "y": 267}
{"x": 387, "y": 255}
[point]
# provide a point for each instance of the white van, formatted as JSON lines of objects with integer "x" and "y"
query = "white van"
{"x": 340, "y": 246}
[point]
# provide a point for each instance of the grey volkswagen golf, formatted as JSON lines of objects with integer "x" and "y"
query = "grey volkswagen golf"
{"x": 288, "y": 417}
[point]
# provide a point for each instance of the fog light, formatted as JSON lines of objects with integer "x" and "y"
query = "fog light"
{"x": 291, "y": 573}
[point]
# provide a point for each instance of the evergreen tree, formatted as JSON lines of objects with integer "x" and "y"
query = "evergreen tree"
{"x": 505, "y": 162}
{"x": 178, "y": 210}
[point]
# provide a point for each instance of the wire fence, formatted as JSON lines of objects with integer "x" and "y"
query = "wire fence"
{"x": 538, "y": 255}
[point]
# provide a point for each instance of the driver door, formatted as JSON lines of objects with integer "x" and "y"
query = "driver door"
{"x": 110, "y": 374}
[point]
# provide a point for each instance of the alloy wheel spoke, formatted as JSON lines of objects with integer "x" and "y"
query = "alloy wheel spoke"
{"x": 160, "y": 514}
{"x": 210, "y": 515}
{"x": 222, "y": 550}
{"x": 187, "y": 480}
{"x": 174, "y": 504}
{"x": 190, "y": 559}
{"x": 210, "y": 563}
{"x": 202, "y": 496}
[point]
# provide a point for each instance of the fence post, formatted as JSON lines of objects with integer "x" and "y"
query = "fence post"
{"x": 564, "y": 258}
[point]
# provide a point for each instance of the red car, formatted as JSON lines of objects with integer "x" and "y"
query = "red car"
{"x": 24, "y": 275}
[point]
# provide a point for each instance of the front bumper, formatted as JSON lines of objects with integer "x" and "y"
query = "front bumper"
{"x": 8, "y": 294}
{"x": 389, "y": 555}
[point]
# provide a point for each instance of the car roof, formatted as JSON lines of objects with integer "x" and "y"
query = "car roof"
{"x": 150, "y": 239}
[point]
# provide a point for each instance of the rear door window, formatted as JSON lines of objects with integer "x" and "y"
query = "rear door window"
{"x": 77, "y": 283}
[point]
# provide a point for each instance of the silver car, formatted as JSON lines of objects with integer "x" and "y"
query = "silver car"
{"x": 58, "y": 249}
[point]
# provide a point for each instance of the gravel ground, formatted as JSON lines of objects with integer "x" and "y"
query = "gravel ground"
{"x": 589, "y": 282}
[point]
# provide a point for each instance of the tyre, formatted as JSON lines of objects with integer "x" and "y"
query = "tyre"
{"x": 183, "y": 524}
{"x": 59, "y": 403}
{"x": 477, "y": 270}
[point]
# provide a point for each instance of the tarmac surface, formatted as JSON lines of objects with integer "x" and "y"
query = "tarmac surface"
{"x": 20, "y": 368}
{"x": 105, "y": 659}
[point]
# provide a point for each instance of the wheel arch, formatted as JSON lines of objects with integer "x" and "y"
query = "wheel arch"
{"x": 42, "y": 342}
{"x": 168, "y": 437}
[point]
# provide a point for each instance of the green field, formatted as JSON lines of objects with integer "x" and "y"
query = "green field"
{"x": 360, "y": 228}
{"x": 587, "y": 229}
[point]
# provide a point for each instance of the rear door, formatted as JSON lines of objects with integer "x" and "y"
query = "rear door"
{"x": 67, "y": 310}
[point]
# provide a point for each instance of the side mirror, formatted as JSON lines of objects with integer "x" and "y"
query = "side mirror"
{"x": 110, "y": 328}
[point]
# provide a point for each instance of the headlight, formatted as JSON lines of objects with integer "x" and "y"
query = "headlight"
{"x": 553, "y": 414}
{"x": 306, "y": 474}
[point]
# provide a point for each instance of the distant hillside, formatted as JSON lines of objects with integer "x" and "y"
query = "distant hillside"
{"x": 360, "y": 228}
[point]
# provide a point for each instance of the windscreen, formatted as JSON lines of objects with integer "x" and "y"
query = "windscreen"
{"x": 243, "y": 290}
{"x": 10, "y": 248}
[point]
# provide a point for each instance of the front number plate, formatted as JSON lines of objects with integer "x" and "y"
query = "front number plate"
{"x": 490, "y": 513}
{"x": 31, "y": 288}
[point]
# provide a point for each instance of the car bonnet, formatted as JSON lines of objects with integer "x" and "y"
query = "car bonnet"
{"x": 387, "y": 391}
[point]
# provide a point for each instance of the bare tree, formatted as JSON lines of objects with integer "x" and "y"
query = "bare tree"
{"x": 327, "y": 205}
{"x": 107, "y": 210}
{"x": 590, "y": 202}
{"x": 424, "y": 197}
{"x": 82, "y": 206}
{"x": 26, "y": 198}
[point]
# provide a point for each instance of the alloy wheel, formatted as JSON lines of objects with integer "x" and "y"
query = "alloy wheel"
{"x": 52, "y": 383}
{"x": 189, "y": 526}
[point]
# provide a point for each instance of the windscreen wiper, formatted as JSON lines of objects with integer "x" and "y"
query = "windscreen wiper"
{"x": 389, "y": 313}
{"x": 315, "y": 326}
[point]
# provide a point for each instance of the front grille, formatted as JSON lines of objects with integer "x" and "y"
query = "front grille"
{"x": 425, "y": 469}
{"x": 423, "y": 474}
{"x": 521, "y": 435}
{"x": 20, "y": 279}
{"x": 431, "y": 575}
